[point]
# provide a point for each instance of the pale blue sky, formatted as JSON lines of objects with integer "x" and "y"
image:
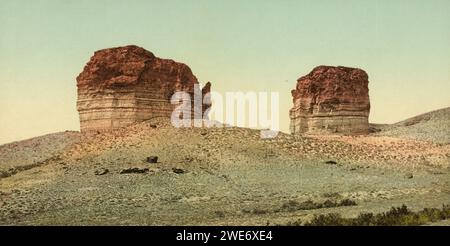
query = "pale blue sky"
{"x": 257, "y": 45}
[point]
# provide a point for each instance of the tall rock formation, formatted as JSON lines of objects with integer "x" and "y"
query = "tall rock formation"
{"x": 124, "y": 85}
{"x": 331, "y": 100}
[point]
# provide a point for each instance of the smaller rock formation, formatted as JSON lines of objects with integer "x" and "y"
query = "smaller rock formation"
{"x": 331, "y": 100}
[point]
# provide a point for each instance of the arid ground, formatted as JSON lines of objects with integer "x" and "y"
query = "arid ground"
{"x": 222, "y": 176}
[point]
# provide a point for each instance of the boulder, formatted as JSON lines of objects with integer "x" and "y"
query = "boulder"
{"x": 152, "y": 159}
{"x": 101, "y": 171}
{"x": 178, "y": 170}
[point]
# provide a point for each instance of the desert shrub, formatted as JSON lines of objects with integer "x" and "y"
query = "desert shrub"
{"x": 254, "y": 211}
{"x": 331, "y": 162}
{"x": 308, "y": 205}
{"x": 396, "y": 216}
{"x": 363, "y": 219}
{"x": 259, "y": 211}
{"x": 293, "y": 223}
{"x": 329, "y": 204}
{"x": 291, "y": 206}
{"x": 347, "y": 202}
{"x": 327, "y": 220}
{"x": 331, "y": 195}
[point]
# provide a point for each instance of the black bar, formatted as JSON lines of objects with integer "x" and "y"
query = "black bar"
{"x": 58, "y": 234}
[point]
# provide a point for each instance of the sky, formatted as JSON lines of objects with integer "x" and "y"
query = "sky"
{"x": 253, "y": 45}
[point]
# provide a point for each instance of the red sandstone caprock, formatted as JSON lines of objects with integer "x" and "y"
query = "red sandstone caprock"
{"x": 124, "y": 85}
{"x": 331, "y": 100}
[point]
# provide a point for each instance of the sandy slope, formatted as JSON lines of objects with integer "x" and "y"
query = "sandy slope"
{"x": 26, "y": 154}
{"x": 433, "y": 126}
{"x": 231, "y": 176}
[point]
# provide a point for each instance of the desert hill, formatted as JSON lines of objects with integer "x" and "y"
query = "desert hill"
{"x": 26, "y": 154}
{"x": 210, "y": 176}
{"x": 432, "y": 126}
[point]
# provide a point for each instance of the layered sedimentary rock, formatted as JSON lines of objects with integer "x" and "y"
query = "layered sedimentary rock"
{"x": 124, "y": 85}
{"x": 331, "y": 100}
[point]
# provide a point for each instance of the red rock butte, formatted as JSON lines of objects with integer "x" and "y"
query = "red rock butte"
{"x": 125, "y": 85}
{"x": 331, "y": 100}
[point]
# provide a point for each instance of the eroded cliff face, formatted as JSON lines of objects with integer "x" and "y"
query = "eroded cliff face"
{"x": 124, "y": 85}
{"x": 331, "y": 100}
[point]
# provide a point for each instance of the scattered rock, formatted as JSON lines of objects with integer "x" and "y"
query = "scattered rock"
{"x": 435, "y": 172}
{"x": 219, "y": 214}
{"x": 409, "y": 176}
{"x": 102, "y": 171}
{"x": 331, "y": 162}
{"x": 178, "y": 170}
{"x": 152, "y": 159}
{"x": 226, "y": 177}
{"x": 153, "y": 126}
{"x": 373, "y": 129}
{"x": 134, "y": 170}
